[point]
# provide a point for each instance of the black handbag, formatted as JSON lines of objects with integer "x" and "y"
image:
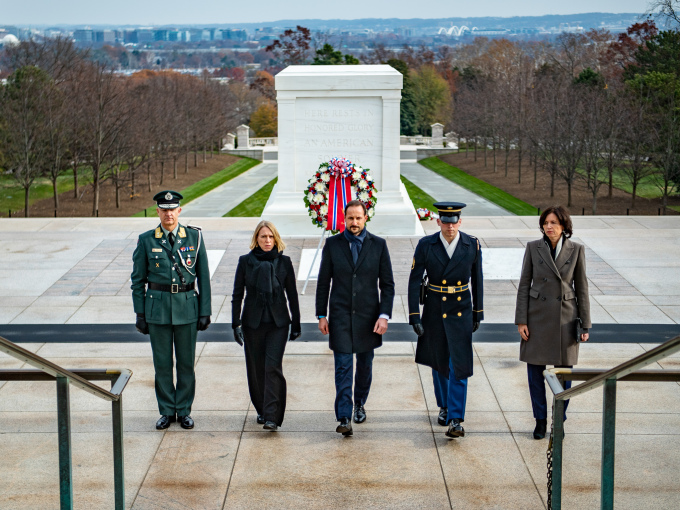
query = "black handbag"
{"x": 423, "y": 289}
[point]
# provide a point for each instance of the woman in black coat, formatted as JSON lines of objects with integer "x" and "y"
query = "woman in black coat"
{"x": 265, "y": 274}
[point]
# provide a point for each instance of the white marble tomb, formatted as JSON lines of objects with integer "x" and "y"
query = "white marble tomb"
{"x": 339, "y": 111}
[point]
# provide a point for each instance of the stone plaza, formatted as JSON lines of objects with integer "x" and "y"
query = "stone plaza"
{"x": 76, "y": 271}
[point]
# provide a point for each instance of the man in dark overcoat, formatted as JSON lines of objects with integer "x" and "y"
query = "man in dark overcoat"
{"x": 168, "y": 263}
{"x": 358, "y": 263}
{"x": 453, "y": 310}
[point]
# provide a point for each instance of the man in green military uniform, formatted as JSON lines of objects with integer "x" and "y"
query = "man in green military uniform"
{"x": 171, "y": 297}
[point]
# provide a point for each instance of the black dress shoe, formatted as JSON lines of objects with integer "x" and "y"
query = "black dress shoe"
{"x": 441, "y": 419}
{"x": 260, "y": 419}
{"x": 270, "y": 425}
{"x": 345, "y": 427}
{"x": 164, "y": 421}
{"x": 455, "y": 429}
{"x": 359, "y": 414}
{"x": 539, "y": 431}
{"x": 185, "y": 422}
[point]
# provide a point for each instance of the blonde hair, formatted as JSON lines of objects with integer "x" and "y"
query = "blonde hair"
{"x": 280, "y": 245}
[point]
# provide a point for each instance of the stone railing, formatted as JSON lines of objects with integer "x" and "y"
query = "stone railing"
{"x": 415, "y": 140}
{"x": 263, "y": 142}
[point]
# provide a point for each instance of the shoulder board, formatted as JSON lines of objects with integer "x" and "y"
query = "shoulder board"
{"x": 471, "y": 237}
{"x": 194, "y": 227}
{"x": 158, "y": 233}
{"x": 477, "y": 244}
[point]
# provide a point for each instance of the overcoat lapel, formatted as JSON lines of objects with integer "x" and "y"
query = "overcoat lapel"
{"x": 565, "y": 253}
{"x": 440, "y": 254}
{"x": 344, "y": 247}
{"x": 457, "y": 253}
{"x": 544, "y": 252}
{"x": 368, "y": 242}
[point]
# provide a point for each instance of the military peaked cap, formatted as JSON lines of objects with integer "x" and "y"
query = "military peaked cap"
{"x": 168, "y": 199}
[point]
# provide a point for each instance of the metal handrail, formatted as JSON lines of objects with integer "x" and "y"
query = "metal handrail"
{"x": 627, "y": 371}
{"x": 618, "y": 372}
{"x": 47, "y": 371}
{"x": 56, "y": 371}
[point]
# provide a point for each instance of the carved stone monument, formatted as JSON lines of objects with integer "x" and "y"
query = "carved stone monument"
{"x": 339, "y": 111}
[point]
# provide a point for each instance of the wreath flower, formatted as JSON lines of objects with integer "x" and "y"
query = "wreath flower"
{"x": 329, "y": 177}
{"x": 426, "y": 214}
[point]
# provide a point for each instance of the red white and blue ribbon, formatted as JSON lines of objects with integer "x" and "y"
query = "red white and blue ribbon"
{"x": 339, "y": 192}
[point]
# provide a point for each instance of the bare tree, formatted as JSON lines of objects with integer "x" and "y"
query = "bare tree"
{"x": 23, "y": 105}
{"x": 666, "y": 11}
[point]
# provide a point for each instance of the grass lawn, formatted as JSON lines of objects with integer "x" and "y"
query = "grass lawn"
{"x": 12, "y": 194}
{"x": 646, "y": 187}
{"x": 254, "y": 204}
{"x": 419, "y": 198}
{"x": 674, "y": 207}
{"x": 209, "y": 183}
{"x": 481, "y": 188}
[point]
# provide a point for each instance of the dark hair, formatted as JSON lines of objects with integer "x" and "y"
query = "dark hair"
{"x": 562, "y": 216}
{"x": 356, "y": 203}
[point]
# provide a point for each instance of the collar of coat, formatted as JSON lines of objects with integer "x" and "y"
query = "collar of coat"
{"x": 364, "y": 249}
{"x": 564, "y": 256}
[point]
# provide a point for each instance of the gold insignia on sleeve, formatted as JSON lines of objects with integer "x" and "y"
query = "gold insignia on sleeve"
{"x": 413, "y": 264}
{"x": 182, "y": 232}
{"x": 159, "y": 233}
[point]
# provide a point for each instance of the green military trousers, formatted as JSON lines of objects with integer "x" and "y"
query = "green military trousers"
{"x": 174, "y": 399}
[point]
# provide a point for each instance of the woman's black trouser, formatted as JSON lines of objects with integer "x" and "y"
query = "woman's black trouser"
{"x": 264, "y": 349}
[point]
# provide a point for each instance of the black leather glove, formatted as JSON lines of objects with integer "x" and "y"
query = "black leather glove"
{"x": 294, "y": 335}
{"x": 419, "y": 329}
{"x": 141, "y": 324}
{"x": 238, "y": 335}
{"x": 203, "y": 322}
{"x": 475, "y": 326}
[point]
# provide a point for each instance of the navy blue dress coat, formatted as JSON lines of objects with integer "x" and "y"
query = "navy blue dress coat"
{"x": 359, "y": 293}
{"x": 447, "y": 318}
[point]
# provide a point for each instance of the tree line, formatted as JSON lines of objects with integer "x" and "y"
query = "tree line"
{"x": 63, "y": 113}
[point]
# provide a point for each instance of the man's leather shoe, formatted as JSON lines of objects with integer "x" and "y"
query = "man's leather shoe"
{"x": 359, "y": 414}
{"x": 185, "y": 422}
{"x": 260, "y": 419}
{"x": 539, "y": 431}
{"x": 270, "y": 425}
{"x": 164, "y": 421}
{"x": 455, "y": 429}
{"x": 443, "y": 413}
{"x": 345, "y": 427}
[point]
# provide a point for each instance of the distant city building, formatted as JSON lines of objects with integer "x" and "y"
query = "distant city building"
{"x": 84, "y": 36}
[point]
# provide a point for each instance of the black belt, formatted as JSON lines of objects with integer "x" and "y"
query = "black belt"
{"x": 174, "y": 288}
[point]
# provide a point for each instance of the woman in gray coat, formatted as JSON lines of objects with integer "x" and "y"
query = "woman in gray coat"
{"x": 552, "y": 306}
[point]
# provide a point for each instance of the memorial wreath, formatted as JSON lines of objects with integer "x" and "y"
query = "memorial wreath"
{"x": 334, "y": 184}
{"x": 426, "y": 214}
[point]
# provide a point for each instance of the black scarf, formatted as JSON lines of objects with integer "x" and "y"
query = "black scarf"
{"x": 266, "y": 283}
{"x": 355, "y": 243}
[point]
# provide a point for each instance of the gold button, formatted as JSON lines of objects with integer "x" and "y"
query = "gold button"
{"x": 444, "y": 298}
{"x": 459, "y": 298}
{"x": 458, "y": 283}
{"x": 459, "y": 314}
{"x": 443, "y": 282}
{"x": 444, "y": 316}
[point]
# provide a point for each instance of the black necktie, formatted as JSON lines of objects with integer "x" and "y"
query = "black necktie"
{"x": 171, "y": 238}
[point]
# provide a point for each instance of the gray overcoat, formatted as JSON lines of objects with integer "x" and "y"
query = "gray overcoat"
{"x": 551, "y": 297}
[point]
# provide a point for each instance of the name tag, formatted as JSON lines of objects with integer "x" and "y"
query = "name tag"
{"x": 156, "y": 250}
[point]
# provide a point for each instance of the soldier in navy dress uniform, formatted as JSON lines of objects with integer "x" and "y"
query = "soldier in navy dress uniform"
{"x": 452, "y": 261}
{"x": 167, "y": 264}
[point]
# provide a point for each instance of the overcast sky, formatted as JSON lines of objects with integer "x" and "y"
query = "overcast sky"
{"x": 160, "y": 12}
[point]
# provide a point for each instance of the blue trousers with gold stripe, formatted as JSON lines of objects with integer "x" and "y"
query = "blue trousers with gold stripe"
{"x": 450, "y": 393}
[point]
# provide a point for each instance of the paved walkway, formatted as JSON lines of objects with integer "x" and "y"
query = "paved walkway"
{"x": 398, "y": 459}
{"x": 224, "y": 198}
{"x": 76, "y": 271}
{"x": 443, "y": 189}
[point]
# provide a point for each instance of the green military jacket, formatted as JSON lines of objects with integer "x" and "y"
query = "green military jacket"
{"x": 153, "y": 262}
